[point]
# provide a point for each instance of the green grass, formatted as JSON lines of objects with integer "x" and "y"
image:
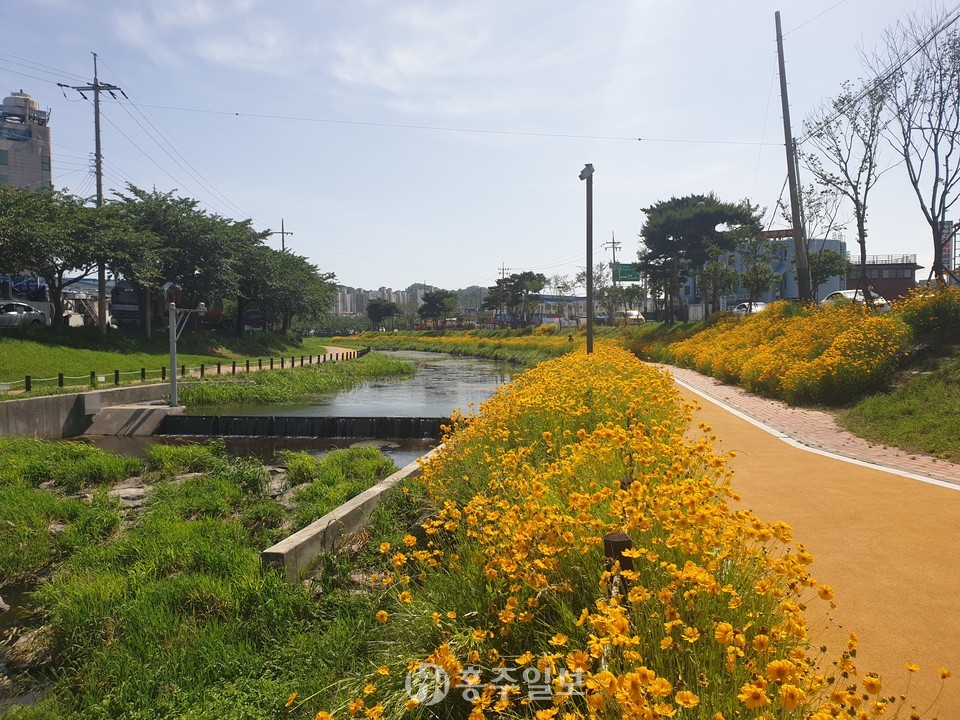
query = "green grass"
{"x": 75, "y": 353}
{"x": 328, "y": 482}
{"x": 922, "y": 415}
{"x": 293, "y": 384}
{"x": 173, "y": 617}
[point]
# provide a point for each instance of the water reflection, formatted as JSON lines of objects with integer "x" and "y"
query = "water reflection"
{"x": 442, "y": 384}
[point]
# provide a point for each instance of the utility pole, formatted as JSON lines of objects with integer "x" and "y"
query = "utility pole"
{"x": 614, "y": 246}
{"x": 96, "y": 87}
{"x": 503, "y": 271}
{"x": 799, "y": 241}
{"x": 283, "y": 236}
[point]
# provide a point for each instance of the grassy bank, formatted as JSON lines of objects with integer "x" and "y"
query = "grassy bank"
{"x": 293, "y": 384}
{"x": 76, "y": 353}
{"x": 171, "y": 616}
{"x": 524, "y": 347}
{"x": 920, "y": 414}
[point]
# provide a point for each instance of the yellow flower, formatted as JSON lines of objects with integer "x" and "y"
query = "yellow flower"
{"x": 753, "y": 696}
{"x": 323, "y": 715}
{"x": 559, "y": 639}
{"x": 404, "y": 597}
{"x": 382, "y": 616}
{"x": 383, "y": 670}
{"x": 913, "y": 667}
{"x": 412, "y": 704}
{"x": 355, "y": 706}
{"x": 781, "y": 670}
{"x": 384, "y": 548}
{"x": 825, "y": 592}
{"x": 660, "y": 687}
{"x": 871, "y": 684}
{"x": 409, "y": 540}
{"x": 792, "y": 697}
{"x": 290, "y": 700}
{"x": 724, "y": 633}
{"x": 944, "y": 673}
{"x": 686, "y": 699}
{"x": 369, "y": 689}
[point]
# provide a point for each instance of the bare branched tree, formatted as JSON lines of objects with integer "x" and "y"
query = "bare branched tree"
{"x": 845, "y": 136}
{"x": 922, "y": 60}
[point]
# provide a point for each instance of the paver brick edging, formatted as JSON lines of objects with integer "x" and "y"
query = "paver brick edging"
{"x": 295, "y": 554}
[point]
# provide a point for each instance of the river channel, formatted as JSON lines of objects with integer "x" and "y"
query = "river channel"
{"x": 443, "y": 383}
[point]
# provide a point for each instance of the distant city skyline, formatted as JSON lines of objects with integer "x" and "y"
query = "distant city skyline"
{"x": 441, "y": 142}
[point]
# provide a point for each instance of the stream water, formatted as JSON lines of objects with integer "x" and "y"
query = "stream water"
{"x": 443, "y": 383}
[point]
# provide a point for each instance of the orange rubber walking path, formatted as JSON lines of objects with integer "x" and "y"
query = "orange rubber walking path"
{"x": 883, "y": 527}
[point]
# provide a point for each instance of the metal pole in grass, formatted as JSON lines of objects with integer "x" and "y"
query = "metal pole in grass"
{"x": 174, "y": 334}
{"x": 587, "y": 174}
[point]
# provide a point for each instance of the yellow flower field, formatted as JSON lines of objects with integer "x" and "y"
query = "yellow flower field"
{"x": 503, "y": 602}
{"x": 815, "y": 353}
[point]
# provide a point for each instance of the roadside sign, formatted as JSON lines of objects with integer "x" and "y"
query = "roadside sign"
{"x": 625, "y": 272}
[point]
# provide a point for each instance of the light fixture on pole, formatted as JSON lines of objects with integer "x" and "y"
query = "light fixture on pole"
{"x": 587, "y": 174}
{"x": 174, "y": 335}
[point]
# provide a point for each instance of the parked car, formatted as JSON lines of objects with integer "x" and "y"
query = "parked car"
{"x": 628, "y": 317}
{"x": 877, "y": 301}
{"x": 748, "y": 308}
{"x": 18, "y": 314}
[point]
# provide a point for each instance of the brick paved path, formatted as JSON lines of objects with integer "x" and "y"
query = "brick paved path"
{"x": 887, "y": 540}
{"x": 815, "y": 429}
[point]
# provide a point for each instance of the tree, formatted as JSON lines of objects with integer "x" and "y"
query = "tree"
{"x": 606, "y": 296}
{"x": 758, "y": 276}
{"x": 562, "y": 288}
{"x": 924, "y": 102}
{"x": 53, "y": 235}
{"x": 824, "y": 265}
{"x": 298, "y": 289}
{"x": 516, "y": 296}
{"x": 846, "y": 134}
{"x": 635, "y": 296}
{"x": 497, "y": 299}
{"x": 718, "y": 277}
{"x": 680, "y": 234}
{"x": 437, "y": 304}
{"x": 379, "y": 309}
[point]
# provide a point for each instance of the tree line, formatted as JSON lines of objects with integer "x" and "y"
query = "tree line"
{"x": 156, "y": 240}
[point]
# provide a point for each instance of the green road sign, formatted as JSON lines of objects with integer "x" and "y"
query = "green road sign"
{"x": 625, "y": 272}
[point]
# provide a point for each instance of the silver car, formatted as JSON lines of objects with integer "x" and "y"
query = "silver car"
{"x": 18, "y": 314}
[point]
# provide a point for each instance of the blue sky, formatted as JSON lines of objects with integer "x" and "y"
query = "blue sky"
{"x": 439, "y": 141}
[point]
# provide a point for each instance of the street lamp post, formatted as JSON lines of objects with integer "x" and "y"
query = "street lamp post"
{"x": 174, "y": 334}
{"x": 587, "y": 174}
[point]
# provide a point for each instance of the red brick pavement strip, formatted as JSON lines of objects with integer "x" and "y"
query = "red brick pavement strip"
{"x": 816, "y": 431}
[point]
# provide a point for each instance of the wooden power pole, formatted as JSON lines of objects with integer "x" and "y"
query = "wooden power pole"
{"x": 799, "y": 241}
{"x": 96, "y": 87}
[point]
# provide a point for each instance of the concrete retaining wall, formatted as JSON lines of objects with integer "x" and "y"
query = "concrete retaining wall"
{"x": 59, "y": 416}
{"x": 295, "y": 554}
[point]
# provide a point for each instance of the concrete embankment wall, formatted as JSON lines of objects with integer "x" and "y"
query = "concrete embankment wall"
{"x": 58, "y": 416}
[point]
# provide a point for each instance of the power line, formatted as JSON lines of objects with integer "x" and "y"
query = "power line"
{"x": 193, "y": 172}
{"x": 40, "y": 67}
{"x": 898, "y": 64}
{"x": 807, "y": 22}
{"x": 441, "y": 128}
